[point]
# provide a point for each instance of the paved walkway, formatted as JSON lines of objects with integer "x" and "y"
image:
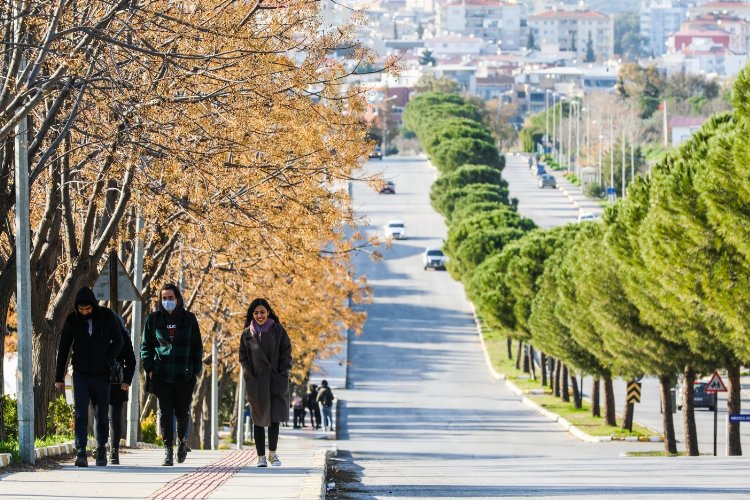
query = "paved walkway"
{"x": 225, "y": 474}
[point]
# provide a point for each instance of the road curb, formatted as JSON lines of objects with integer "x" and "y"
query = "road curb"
{"x": 528, "y": 402}
{"x": 314, "y": 483}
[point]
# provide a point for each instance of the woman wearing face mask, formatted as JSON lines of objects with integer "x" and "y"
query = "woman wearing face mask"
{"x": 171, "y": 353}
{"x": 266, "y": 358}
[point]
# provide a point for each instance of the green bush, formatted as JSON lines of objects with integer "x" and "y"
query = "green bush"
{"x": 148, "y": 430}
{"x": 451, "y": 154}
{"x": 60, "y": 417}
{"x": 473, "y": 193}
{"x": 465, "y": 175}
{"x": 9, "y": 417}
{"x": 478, "y": 246}
{"x": 594, "y": 190}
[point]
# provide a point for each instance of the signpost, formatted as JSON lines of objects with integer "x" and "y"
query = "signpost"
{"x": 715, "y": 385}
{"x": 633, "y": 396}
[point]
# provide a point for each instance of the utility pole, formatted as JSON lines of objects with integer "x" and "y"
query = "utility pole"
{"x": 578, "y": 142}
{"x": 546, "y": 120}
{"x": 571, "y": 114}
{"x": 561, "y": 152}
{"x": 25, "y": 380}
{"x": 214, "y": 395}
{"x": 136, "y": 327}
{"x": 612, "y": 156}
{"x": 623, "y": 163}
{"x": 554, "y": 114}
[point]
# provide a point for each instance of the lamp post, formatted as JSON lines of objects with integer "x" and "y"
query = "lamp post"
{"x": 385, "y": 122}
{"x": 612, "y": 155}
{"x": 561, "y": 151}
{"x": 554, "y": 115}
{"x": 599, "y": 173}
{"x": 546, "y": 119}
{"x": 571, "y": 114}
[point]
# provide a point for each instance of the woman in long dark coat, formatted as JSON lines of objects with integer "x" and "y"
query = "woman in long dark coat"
{"x": 266, "y": 358}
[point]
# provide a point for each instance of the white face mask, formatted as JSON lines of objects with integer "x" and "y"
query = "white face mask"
{"x": 169, "y": 305}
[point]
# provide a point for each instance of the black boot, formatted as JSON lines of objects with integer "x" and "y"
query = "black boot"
{"x": 168, "y": 455}
{"x": 81, "y": 460}
{"x": 101, "y": 456}
{"x": 114, "y": 456}
{"x": 181, "y": 451}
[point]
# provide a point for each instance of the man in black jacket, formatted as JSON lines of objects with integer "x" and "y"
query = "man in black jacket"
{"x": 95, "y": 334}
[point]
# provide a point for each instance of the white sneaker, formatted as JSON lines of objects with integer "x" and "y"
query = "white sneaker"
{"x": 262, "y": 462}
{"x": 274, "y": 459}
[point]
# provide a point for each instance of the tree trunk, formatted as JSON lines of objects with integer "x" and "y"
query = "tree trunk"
{"x": 688, "y": 412}
{"x": 149, "y": 407}
{"x": 734, "y": 406}
{"x": 509, "y": 345}
{"x": 577, "y": 397}
{"x": 519, "y": 355}
{"x": 596, "y": 410}
{"x": 196, "y": 412}
{"x": 564, "y": 390}
{"x": 558, "y": 376}
{"x": 609, "y": 402}
{"x": 44, "y": 354}
{"x": 544, "y": 369}
{"x": 531, "y": 362}
{"x": 205, "y": 434}
{"x": 670, "y": 442}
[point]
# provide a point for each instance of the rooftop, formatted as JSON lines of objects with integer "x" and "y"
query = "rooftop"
{"x": 687, "y": 121}
{"x": 570, "y": 14}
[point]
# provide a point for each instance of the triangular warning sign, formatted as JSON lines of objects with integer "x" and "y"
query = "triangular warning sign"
{"x": 715, "y": 384}
{"x": 126, "y": 290}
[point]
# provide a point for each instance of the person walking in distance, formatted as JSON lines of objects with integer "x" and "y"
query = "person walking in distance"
{"x": 266, "y": 358}
{"x": 172, "y": 356}
{"x": 95, "y": 335}
{"x": 299, "y": 411}
{"x": 325, "y": 399}
{"x": 311, "y": 401}
{"x": 119, "y": 392}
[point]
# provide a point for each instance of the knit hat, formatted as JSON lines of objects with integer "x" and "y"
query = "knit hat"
{"x": 85, "y": 296}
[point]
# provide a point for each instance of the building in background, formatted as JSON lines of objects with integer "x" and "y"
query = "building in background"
{"x": 683, "y": 127}
{"x": 658, "y": 20}
{"x": 491, "y": 20}
{"x": 569, "y": 31}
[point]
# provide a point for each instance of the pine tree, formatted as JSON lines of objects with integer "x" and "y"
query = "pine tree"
{"x": 590, "y": 56}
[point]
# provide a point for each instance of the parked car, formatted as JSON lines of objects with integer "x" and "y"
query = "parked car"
{"x": 395, "y": 229}
{"x": 377, "y": 153}
{"x": 388, "y": 188}
{"x": 585, "y": 217}
{"x": 434, "y": 258}
{"x": 546, "y": 180}
{"x": 701, "y": 398}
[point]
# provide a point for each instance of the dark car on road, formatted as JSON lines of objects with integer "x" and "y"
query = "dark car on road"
{"x": 388, "y": 188}
{"x": 701, "y": 398}
{"x": 376, "y": 153}
{"x": 546, "y": 180}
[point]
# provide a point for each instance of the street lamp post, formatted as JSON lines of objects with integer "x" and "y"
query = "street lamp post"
{"x": 599, "y": 173}
{"x": 571, "y": 114}
{"x": 546, "y": 119}
{"x": 554, "y": 116}
{"x": 612, "y": 155}
{"x": 561, "y": 152}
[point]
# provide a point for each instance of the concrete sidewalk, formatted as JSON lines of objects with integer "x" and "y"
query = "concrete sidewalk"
{"x": 226, "y": 474}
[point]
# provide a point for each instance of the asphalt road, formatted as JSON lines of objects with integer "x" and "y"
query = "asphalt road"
{"x": 423, "y": 417}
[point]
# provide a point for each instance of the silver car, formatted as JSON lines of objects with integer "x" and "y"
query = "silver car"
{"x": 546, "y": 180}
{"x": 434, "y": 258}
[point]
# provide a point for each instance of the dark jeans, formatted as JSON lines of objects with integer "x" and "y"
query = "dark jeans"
{"x": 93, "y": 389}
{"x": 299, "y": 417}
{"x": 315, "y": 418}
{"x": 115, "y": 417}
{"x": 174, "y": 402}
{"x": 260, "y": 438}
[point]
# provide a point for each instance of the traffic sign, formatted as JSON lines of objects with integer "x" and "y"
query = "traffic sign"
{"x": 634, "y": 392}
{"x": 716, "y": 384}
{"x": 124, "y": 289}
{"x": 739, "y": 418}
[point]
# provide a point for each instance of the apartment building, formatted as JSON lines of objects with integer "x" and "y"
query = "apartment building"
{"x": 736, "y": 8}
{"x": 658, "y": 20}
{"x": 569, "y": 31}
{"x": 492, "y": 20}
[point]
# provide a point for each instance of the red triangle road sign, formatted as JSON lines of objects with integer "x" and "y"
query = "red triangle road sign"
{"x": 715, "y": 384}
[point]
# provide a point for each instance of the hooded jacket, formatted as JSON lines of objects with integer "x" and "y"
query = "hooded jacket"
{"x": 175, "y": 358}
{"x": 92, "y": 354}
